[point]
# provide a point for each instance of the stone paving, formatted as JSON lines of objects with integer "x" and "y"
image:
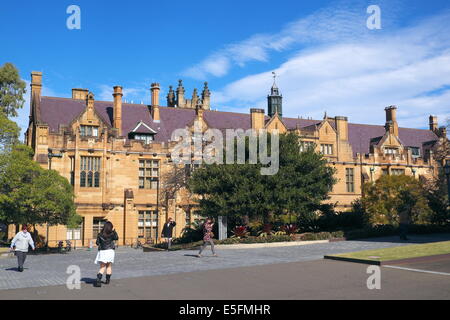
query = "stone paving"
{"x": 50, "y": 269}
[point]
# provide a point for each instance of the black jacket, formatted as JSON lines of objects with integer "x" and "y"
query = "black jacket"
{"x": 167, "y": 230}
{"x": 107, "y": 242}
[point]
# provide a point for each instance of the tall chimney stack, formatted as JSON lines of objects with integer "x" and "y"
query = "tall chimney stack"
{"x": 155, "y": 101}
{"x": 117, "y": 110}
{"x": 36, "y": 83}
{"x": 155, "y": 93}
{"x": 391, "y": 119}
{"x": 433, "y": 123}
{"x": 342, "y": 127}
{"x": 257, "y": 118}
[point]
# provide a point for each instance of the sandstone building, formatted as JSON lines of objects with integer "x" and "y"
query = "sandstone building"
{"x": 115, "y": 154}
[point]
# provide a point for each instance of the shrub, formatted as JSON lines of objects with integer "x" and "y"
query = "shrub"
{"x": 290, "y": 229}
{"x": 240, "y": 232}
{"x": 309, "y": 222}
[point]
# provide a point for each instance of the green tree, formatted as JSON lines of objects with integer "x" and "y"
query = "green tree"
{"x": 391, "y": 196}
{"x": 239, "y": 190}
{"x": 30, "y": 194}
{"x": 9, "y": 133}
{"x": 12, "y": 89}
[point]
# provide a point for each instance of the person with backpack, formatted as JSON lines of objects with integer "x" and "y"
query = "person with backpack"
{"x": 207, "y": 237}
{"x": 167, "y": 232}
{"x": 20, "y": 244}
{"x": 106, "y": 252}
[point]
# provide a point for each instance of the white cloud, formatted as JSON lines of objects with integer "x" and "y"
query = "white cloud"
{"x": 328, "y": 25}
{"x": 359, "y": 78}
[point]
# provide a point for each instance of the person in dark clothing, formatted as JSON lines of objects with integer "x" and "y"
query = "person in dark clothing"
{"x": 106, "y": 253}
{"x": 167, "y": 231}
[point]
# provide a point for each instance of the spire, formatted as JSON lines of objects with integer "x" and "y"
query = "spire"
{"x": 206, "y": 94}
{"x": 274, "y": 89}
{"x": 171, "y": 97}
{"x": 194, "y": 100}
{"x": 181, "y": 102}
{"x": 275, "y": 99}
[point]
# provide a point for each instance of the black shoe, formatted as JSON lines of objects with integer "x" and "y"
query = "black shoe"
{"x": 20, "y": 269}
{"x": 108, "y": 279}
{"x": 98, "y": 281}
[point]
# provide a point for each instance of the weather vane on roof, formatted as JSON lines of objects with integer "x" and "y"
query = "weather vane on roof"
{"x": 274, "y": 75}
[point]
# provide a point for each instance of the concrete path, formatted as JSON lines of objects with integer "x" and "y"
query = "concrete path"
{"x": 50, "y": 270}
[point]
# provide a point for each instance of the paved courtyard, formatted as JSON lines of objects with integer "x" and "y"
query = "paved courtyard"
{"x": 50, "y": 269}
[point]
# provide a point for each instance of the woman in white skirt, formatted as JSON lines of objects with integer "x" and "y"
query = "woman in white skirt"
{"x": 106, "y": 253}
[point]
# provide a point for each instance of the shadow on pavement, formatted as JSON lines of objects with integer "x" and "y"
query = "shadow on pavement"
{"x": 88, "y": 280}
{"x": 13, "y": 269}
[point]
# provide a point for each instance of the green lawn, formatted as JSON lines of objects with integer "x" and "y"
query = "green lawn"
{"x": 402, "y": 252}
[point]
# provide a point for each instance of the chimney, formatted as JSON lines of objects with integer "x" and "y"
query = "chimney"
{"x": 257, "y": 118}
{"x": 433, "y": 123}
{"x": 155, "y": 94}
{"x": 442, "y": 132}
{"x": 117, "y": 110}
{"x": 36, "y": 83}
{"x": 79, "y": 94}
{"x": 154, "y": 88}
{"x": 342, "y": 127}
{"x": 391, "y": 119}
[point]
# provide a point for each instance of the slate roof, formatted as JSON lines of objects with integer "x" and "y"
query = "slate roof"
{"x": 62, "y": 111}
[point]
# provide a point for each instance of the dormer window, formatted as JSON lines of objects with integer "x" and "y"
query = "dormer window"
{"x": 415, "y": 152}
{"x": 147, "y": 138}
{"x": 390, "y": 150}
{"x": 89, "y": 131}
{"x": 142, "y": 132}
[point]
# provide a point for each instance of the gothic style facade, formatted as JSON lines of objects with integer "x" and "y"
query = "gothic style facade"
{"x": 115, "y": 154}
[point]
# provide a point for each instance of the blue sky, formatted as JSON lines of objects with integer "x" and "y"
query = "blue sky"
{"x": 325, "y": 56}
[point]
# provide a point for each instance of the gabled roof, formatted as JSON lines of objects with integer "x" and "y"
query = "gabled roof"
{"x": 61, "y": 111}
{"x": 141, "y": 127}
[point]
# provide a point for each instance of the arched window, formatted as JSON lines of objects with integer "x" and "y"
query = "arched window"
{"x": 83, "y": 179}
{"x": 97, "y": 179}
{"x": 90, "y": 172}
{"x": 90, "y": 180}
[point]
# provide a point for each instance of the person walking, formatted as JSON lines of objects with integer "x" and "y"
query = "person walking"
{"x": 106, "y": 252}
{"x": 20, "y": 244}
{"x": 207, "y": 237}
{"x": 167, "y": 232}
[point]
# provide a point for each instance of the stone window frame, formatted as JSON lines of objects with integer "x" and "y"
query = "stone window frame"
{"x": 148, "y": 224}
{"x": 148, "y": 181}
{"x": 350, "y": 179}
{"x": 90, "y": 167}
{"x": 327, "y": 149}
{"x": 88, "y": 130}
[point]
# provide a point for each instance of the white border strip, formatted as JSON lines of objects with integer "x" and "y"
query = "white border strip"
{"x": 418, "y": 270}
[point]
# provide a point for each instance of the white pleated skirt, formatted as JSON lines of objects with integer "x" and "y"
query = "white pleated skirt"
{"x": 105, "y": 256}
